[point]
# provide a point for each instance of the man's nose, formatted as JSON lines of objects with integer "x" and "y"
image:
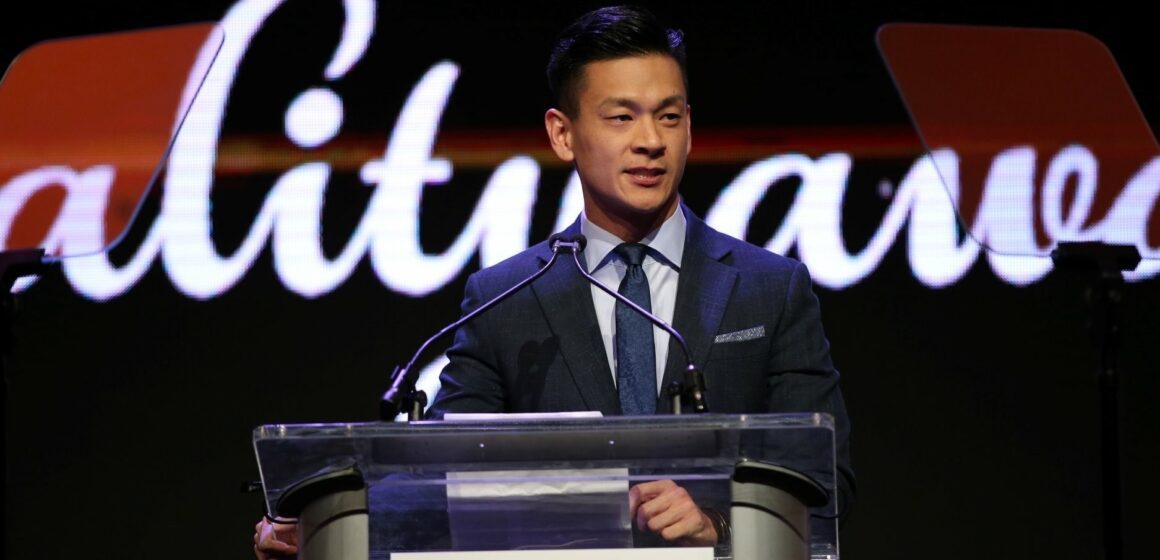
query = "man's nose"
{"x": 648, "y": 139}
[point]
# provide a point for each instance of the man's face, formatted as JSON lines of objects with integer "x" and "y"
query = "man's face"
{"x": 629, "y": 141}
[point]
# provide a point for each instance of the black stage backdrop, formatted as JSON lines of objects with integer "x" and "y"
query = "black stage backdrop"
{"x": 973, "y": 398}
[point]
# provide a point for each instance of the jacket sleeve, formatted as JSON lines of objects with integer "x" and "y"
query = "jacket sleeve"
{"x": 471, "y": 381}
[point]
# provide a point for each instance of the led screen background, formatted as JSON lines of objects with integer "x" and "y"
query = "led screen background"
{"x": 970, "y": 389}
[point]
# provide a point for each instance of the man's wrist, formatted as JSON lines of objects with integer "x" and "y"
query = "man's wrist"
{"x": 720, "y": 525}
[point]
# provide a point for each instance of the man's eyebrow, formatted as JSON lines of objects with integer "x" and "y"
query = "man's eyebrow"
{"x": 626, "y": 102}
{"x": 673, "y": 100}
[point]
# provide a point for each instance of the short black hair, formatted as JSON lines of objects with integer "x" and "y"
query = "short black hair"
{"x": 607, "y": 34}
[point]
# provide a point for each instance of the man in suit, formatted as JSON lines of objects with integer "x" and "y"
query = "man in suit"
{"x": 751, "y": 320}
{"x": 750, "y": 317}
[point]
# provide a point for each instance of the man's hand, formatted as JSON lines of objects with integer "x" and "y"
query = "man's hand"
{"x": 275, "y": 540}
{"x": 667, "y": 510}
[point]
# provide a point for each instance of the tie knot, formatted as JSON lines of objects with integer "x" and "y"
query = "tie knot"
{"x": 631, "y": 253}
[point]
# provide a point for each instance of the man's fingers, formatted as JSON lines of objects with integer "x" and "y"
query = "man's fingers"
{"x": 668, "y": 510}
{"x": 266, "y": 540}
{"x": 659, "y": 495}
{"x": 272, "y": 545}
{"x": 695, "y": 529}
{"x": 274, "y": 549}
{"x": 633, "y": 500}
{"x": 643, "y": 494}
{"x": 649, "y": 490}
{"x": 646, "y": 492}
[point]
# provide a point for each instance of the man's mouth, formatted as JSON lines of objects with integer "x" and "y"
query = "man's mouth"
{"x": 645, "y": 176}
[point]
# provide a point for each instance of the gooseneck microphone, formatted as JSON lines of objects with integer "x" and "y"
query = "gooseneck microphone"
{"x": 402, "y": 394}
{"x": 692, "y": 390}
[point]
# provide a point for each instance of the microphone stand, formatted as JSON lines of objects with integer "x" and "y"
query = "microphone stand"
{"x": 14, "y": 265}
{"x": 1105, "y": 265}
{"x": 402, "y": 394}
{"x": 692, "y": 389}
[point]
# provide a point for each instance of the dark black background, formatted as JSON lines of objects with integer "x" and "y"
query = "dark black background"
{"x": 974, "y": 406}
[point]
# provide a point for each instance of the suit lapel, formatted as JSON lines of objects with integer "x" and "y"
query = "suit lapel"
{"x": 566, "y": 300}
{"x": 703, "y": 292}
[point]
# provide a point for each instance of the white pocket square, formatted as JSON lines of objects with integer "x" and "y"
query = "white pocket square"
{"x": 741, "y": 336}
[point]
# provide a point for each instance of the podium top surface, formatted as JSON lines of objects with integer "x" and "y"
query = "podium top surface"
{"x": 531, "y": 424}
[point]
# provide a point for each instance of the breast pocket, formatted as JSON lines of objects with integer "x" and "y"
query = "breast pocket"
{"x": 747, "y": 349}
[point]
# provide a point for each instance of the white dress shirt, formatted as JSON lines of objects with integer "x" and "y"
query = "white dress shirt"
{"x": 662, "y": 265}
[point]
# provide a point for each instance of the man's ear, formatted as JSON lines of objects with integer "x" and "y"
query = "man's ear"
{"x": 688, "y": 129}
{"x": 559, "y": 128}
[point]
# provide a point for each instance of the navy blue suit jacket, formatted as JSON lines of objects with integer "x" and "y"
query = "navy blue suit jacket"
{"x": 541, "y": 351}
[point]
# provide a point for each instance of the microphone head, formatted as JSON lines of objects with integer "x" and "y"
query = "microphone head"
{"x": 573, "y": 243}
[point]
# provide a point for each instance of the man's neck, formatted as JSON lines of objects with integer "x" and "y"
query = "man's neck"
{"x": 635, "y": 228}
{"x": 667, "y": 242}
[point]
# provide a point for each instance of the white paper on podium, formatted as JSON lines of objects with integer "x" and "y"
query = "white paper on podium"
{"x": 698, "y": 553}
{"x": 543, "y": 483}
{"x": 567, "y": 481}
{"x": 517, "y": 416}
{"x": 538, "y": 508}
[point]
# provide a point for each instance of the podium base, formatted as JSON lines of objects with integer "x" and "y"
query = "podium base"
{"x": 334, "y": 527}
{"x": 770, "y": 513}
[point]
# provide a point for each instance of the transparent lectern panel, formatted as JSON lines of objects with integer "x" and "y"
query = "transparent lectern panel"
{"x": 440, "y": 486}
{"x": 1034, "y": 135}
{"x": 85, "y": 127}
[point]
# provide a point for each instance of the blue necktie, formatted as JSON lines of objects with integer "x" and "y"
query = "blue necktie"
{"x": 636, "y": 370}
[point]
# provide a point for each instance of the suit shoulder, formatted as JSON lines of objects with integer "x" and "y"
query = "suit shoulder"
{"x": 514, "y": 268}
{"x": 747, "y": 257}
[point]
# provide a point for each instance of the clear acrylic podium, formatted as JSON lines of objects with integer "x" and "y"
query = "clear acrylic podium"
{"x": 378, "y": 490}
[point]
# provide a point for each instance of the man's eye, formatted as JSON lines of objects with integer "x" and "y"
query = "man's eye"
{"x": 671, "y": 116}
{"x": 620, "y": 118}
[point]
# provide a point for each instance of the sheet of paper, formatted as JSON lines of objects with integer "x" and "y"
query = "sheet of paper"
{"x": 537, "y": 508}
{"x": 705, "y": 553}
{"x": 516, "y": 416}
{"x": 504, "y": 484}
{"x": 522, "y": 483}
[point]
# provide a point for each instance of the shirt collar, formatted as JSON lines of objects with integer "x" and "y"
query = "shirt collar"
{"x": 666, "y": 244}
